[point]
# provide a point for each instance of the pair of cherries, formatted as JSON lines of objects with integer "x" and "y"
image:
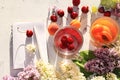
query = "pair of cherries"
{"x": 105, "y": 13}
{"x": 73, "y": 14}
{"x": 67, "y": 42}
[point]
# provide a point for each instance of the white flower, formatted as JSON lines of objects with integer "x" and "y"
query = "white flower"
{"x": 46, "y": 71}
{"x": 66, "y": 71}
{"x": 30, "y": 48}
{"x": 111, "y": 76}
{"x": 70, "y": 71}
{"x": 98, "y": 78}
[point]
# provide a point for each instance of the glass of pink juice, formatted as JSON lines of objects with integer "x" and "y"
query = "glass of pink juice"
{"x": 68, "y": 41}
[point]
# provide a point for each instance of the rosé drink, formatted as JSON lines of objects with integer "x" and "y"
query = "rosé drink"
{"x": 68, "y": 41}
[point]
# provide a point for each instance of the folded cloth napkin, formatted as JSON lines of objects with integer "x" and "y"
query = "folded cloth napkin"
{"x": 22, "y": 58}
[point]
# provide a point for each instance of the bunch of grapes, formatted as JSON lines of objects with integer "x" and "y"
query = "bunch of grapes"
{"x": 106, "y": 61}
{"x": 109, "y": 7}
{"x": 29, "y": 73}
{"x": 116, "y": 10}
{"x": 108, "y": 4}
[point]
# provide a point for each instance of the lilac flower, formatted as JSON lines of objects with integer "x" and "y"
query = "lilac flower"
{"x": 99, "y": 66}
{"x": 29, "y": 73}
{"x": 8, "y": 78}
{"x": 104, "y": 53}
{"x": 106, "y": 61}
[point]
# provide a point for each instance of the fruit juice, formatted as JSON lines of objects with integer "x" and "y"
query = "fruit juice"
{"x": 68, "y": 41}
{"x": 104, "y": 31}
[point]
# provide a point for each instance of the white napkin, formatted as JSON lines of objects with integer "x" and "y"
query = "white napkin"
{"x": 40, "y": 34}
{"x": 20, "y": 57}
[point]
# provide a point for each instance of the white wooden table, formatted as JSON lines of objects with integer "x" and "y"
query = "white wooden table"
{"x": 12, "y": 11}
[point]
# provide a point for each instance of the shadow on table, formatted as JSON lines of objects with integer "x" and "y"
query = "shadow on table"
{"x": 13, "y": 72}
{"x": 51, "y": 51}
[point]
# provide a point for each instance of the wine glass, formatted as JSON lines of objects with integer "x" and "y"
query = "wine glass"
{"x": 104, "y": 31}
{"x": 68, "y": 41}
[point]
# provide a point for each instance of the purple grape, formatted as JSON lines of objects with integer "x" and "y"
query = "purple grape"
{"x": 116, "y": 11}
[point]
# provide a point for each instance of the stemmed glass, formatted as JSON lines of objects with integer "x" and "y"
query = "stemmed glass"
{"x": 67, "y": 43}
{"x": 104, "y": 31}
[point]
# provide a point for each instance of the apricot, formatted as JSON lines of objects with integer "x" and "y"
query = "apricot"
{"x": 113, "y": 27}
{"x": 97, "y": 29}
{"x": 106, "y": 36}
{"x": 98, "y": 38}
{"x": 110, "y": 23}
{"x": 52, "y": 28}
{"x": 104, "y": 30}
{"x": 75, "y": 23}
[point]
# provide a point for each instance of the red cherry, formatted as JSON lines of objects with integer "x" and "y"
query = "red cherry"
{"x": 60, "y": 13}
{"x": 64, "y": 40}
{"x": 53, "y": 18}
{"x": 75, "y": 2}
{"x": 71, "y": 47}
{"x": 70, "y": 40}
{"x": 70, "y": 9}
{"x": 73, "y": 15}
{"x": 29, "y": 33}
{"x": 101, "y": 9}
{"x": 62, "y": 46}
{"x": 85, "y": 9}
{"x": 107, "y": 13}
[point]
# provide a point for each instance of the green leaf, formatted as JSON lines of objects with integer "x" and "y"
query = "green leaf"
{"x": 85, "y": 55}
{"x": 117, "y": 72}
{"x": 82, "y": 69}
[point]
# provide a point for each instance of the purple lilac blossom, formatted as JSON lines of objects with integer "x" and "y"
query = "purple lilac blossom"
{"x": 104, "y": 53}
{"x": 9, "y": 78}
{"x": 99, "y": 66}
{"x": 106, "y": 61}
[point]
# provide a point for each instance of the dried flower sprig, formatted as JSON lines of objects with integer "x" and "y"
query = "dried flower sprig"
{"x": 116, "y": 45}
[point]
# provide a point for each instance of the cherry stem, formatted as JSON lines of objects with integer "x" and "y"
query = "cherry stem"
{"x": 18, "y": 29}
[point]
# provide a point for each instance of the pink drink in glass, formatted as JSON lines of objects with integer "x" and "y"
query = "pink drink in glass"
{"x": 68, "y": 41}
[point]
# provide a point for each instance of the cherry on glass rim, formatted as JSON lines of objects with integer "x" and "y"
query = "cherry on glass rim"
{"x": 101, "y": 9}
{"x": 29, "y": 33}
{"x": 85, "y": 9}
{"x": 70, "y": 9}
{"x": 75, "y": 2}
{"x": 74, "y": 15}
{"x": 53, "y": 18}
{"x": 60, "y": 13}
{"x": 107, "y": 13}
